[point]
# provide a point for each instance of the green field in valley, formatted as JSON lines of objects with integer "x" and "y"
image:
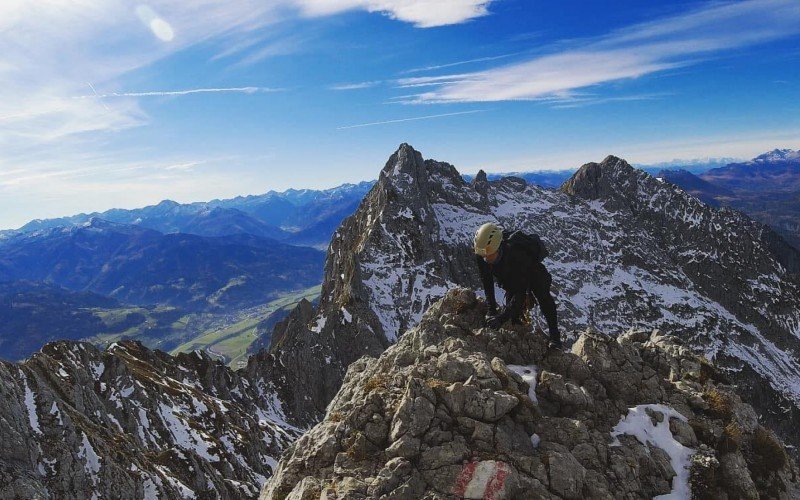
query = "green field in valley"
{"x": 226, "y": 336}
{"x": 229, "y": 340}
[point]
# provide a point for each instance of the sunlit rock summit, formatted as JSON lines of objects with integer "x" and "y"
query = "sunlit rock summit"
{"x": 453, "y": 410}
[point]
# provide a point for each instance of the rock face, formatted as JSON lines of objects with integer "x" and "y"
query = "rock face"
{"x": 626, "y": 250}
{"x": 77, "y": 422}
{"x": 453, "y": 410}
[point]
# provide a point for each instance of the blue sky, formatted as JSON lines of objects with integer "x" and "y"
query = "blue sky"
{"x": 110, "y": 103}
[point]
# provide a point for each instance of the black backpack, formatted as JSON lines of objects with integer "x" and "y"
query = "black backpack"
{"x": 532, "y": 244}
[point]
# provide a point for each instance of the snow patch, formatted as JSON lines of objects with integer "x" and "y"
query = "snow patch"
{"x": 184, "y": 490}
{"x": 55, "y": 411}
{"x": 185, "y": 436}
{"x": 151, "y": 491}
{"x": 319, "y": 325}
{"x": 528, "y": 374}
{"x": 637, "y": 423}
{"x": 30, "y": 403}
{"x": 98, "y": 369}
{"x": 91, "y": 462}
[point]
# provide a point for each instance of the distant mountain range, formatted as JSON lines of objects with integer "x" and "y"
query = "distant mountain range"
{"x": 142, "y": 266}
{"x": 224, "y": 256}
{"x": 301, "y": 217}
{"x": 308, "y": 217}
{"x": 767, "y": 188}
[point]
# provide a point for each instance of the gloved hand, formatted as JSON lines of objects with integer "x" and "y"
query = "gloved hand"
{"x": 493, "y": 322}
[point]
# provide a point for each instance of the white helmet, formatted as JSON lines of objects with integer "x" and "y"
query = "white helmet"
{"x": 487, "y": 239}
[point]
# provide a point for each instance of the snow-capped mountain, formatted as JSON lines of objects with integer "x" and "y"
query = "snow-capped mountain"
{"x": 626, "y": 250}
{"x": 128, "y": 422}
{"x": 766, "y": 188}
{"x": 777, "y": 155}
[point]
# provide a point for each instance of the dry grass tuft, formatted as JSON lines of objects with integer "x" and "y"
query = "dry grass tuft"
{"x": 376, "y": 382}
{"x": 769, "y": 453}
{"x": 731, "y": 438}
{"x": 720, "y": 405}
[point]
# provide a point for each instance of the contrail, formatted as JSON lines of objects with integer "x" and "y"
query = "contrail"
{"x": 98, "y": 96}
{"x": 409, "y": 119}
{"x": 458, "y": 63}
{"x": 245, "y": 90}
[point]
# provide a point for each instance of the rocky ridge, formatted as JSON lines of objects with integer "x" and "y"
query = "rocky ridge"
{"x": 626, "y": 250}
{"x": 78, "y": 422}
{"x": 453, "y": 410}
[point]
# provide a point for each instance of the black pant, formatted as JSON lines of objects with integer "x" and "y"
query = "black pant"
{"x": 540, "y": 287}
{"x": 541, "y": 290}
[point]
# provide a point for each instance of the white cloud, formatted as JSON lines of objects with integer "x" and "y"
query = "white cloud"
{"x": 636, "y": 51}
{"x": 49, "y": 49}
{"x": 422, "y": 13}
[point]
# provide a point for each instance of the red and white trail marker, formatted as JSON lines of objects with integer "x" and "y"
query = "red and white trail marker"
{"x": 482, "y": 480}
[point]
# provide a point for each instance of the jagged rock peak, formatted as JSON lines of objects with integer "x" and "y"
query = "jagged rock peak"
{"x": 407, "y": 170}
{"x": 481, "y": 185}
{"x": 406, "y": 160}
{"x": 456, "y": 410}
{"x": 592, "y": 180}
{"x": 300, "y": 315}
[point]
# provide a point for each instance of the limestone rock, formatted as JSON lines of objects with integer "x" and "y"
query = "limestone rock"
{"x": 464, "y": 424}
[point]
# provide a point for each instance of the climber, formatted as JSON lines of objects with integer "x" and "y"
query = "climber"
{"x": 515, "y": 261}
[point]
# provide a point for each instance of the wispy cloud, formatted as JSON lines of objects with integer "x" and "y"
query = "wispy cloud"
{"x": 185, "y": 166}
{"x": 422, "y": 13}
{"x": 162, "y": 93}
{"x": 427, "y": 117}
{"x": 49, "y": 49}
{"x": 356, "y": 86}
{"x": 284, "y": 46}
{"x": 633, "y": 52}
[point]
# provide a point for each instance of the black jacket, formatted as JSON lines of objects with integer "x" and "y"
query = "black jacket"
{"x": 517, "y": 272}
